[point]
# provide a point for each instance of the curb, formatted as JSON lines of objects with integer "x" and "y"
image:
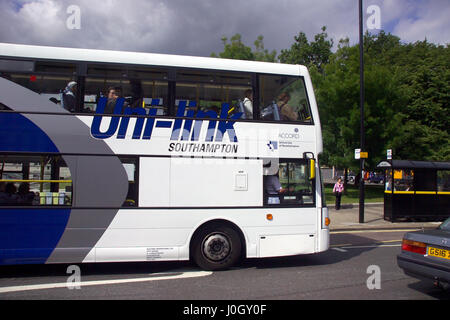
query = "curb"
{"x": 353, "y": 205}
{"x": 342, "y": 220}
{"x": 381, "y": 228}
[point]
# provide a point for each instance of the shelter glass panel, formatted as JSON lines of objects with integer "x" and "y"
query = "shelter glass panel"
{"x": 403, "y": 180}
{"x": 443, "y": 180}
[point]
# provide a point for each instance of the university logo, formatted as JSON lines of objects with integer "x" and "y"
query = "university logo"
{"x": 273, "y": 145}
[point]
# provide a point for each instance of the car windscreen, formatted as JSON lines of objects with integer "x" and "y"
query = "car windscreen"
{"x": 445, "y": 225}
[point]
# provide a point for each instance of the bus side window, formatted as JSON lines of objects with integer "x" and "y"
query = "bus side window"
{"x": 283, "y": 98}
{"x": 34, "y": 180}
{"x": 205, "y": 91}
{"x": 143, "y": 87}
{"x": 287, "y": 182}
{"x": 271, "y": 181}
{"x": 130, "y": 166}
{"x": 49, "y": 79}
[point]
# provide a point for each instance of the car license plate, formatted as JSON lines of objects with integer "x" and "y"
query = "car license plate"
{"x": 440, "y": 253}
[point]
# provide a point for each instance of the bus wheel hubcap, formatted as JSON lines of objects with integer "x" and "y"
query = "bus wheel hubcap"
{"x": 216, "y": 247}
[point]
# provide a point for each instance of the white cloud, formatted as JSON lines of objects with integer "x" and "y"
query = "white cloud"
{"x": 34, "y": 20}
{"x": 195, "y": 27}
{"x": 430, "y": 20}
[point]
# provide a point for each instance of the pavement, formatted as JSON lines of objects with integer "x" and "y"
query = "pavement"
{"x": 347, "y": 218}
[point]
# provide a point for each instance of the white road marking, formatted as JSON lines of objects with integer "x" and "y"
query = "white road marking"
{"x": 374, "y": 231}
{"x": 339, "y": 249}
{"x": 373, "y": 246}
{"x": 343, "y": 247}
{"x": 155, "y": 277}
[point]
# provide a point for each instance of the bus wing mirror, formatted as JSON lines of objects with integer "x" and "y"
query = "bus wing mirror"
{"x": 312, "y": 168}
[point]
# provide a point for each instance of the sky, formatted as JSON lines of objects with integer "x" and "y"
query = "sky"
{"x": 195, "y": 27}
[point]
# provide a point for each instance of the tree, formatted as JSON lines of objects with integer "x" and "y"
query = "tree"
{"x": 236, "y": 49}
{"x": 315, "y": 53}
{"x": 262, "y": 54}
{"x": 407, "y": 91}
{"x": 423, "y": 133}
{"x": 407, "y": 94}
{"x": 337, "y": 92}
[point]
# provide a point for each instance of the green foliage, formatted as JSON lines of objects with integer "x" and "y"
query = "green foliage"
{"x": 406, "y": 101}
{"x": 372, "y": 193}
{"x": 426, "y": 117}
{"x": 315, "y": 53}
{"x": 236, "y": 49}
{"x": 262, "y": 54}
{"x": 407, "y": 94}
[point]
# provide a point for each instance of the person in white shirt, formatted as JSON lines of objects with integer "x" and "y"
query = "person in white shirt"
{"x": 248, "y": 104}
{"x": 273, "y": 188}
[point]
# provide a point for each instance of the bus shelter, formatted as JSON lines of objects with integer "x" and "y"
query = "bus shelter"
{"x": 416, "y": 190}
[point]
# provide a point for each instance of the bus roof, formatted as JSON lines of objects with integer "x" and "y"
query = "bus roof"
{"x": 8, "y": 50}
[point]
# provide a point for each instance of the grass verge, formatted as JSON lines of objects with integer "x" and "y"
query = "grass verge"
{"x": 372, "y": 193}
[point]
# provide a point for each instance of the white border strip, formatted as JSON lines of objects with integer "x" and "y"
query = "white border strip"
{"x": 69, "y": 285}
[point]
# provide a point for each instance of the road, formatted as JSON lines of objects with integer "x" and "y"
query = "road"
{"x": 340, "y": 273}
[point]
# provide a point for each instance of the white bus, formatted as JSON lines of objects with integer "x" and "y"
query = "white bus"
{"x": 109, "y": 156}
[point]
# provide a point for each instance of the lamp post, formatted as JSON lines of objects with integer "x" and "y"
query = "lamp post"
{"x": 361, "y": 103}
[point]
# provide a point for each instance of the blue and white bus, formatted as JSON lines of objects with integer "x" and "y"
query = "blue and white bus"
{"x": 109, "y": 156}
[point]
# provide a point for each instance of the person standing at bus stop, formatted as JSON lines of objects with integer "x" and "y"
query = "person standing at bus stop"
{"x": 337, "y": 190}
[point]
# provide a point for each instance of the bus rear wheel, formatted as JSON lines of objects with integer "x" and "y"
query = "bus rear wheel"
{"x": 216, "y": 248}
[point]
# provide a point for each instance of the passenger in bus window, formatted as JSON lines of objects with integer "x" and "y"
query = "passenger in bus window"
{"x": 110, "y": 104}
{"x": 36, "y": 199}
{"x": 25, "y": 196}
{"x": 137, "y": 98}
{"x": 68, "y": 99}
{"x": 216, "y": 109}
{"x": 273, "y": 188}
{"x": 304, "y": 114}
{"x": 2, "y": 193}
{"x": 287, "y": 112}
{"x": 248, "y": 104}
{"x": 113, "y": 94}
{"x": 10, "y": 195}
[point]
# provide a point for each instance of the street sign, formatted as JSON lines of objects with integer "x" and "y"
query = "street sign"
{"x": 389, "y": 154}
{"x": 364, "y": 155}
{"x": 357, "y": 154}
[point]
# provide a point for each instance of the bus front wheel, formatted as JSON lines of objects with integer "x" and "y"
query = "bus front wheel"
{"x": 216, "y": 248}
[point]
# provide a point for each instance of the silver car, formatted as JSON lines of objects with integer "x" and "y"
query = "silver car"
{"x": 426, "y": 254}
